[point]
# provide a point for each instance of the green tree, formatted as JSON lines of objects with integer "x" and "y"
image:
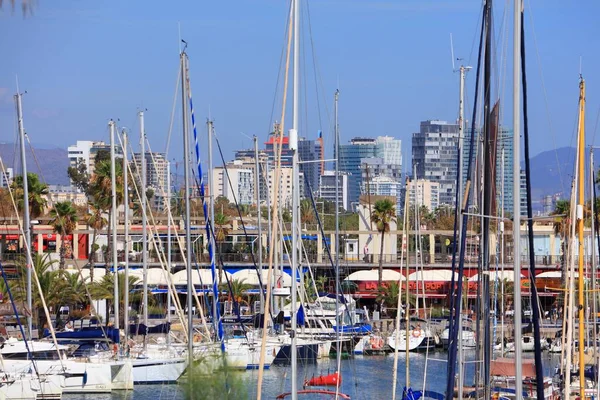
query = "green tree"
{"x": 221, "y": 232}
{"x": 101, "y": 189}
{"x": 63, "y": 222}
{"x": 79, "y": 176}
{"x": 95, "y": 219}
{"x": 384, "y": 213}
{"x": 52, "y": 282}
{"x": 307, "y": 215}
{"x": 105, "y": 289}
{"x": 37, "y": 193}
{"x": 239, "y": 288}
{"x": 562, "y": 228}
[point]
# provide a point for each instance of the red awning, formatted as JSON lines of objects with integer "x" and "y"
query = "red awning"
{"x": 11, "y": 237}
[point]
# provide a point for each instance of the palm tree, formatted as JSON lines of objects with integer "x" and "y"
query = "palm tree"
{"x": 37, "y": 192}
{"x": 105, "y": 290}
{"x": 384, "y": 212}
{"x": 307, "y": 215}
{"x": 52, "y": 283}
{"x": 63, "y": 222}
{"x": 96, "y": 220}
{"x": 236, "y": 292}
{"x": 222, "y": 223}
{"x": 388, "y": 295}
{"x": 562, "y": 227}
{"x": 101, "y": 189}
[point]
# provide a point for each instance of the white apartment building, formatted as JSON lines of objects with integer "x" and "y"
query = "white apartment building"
{"x": 285, "y": 186}
{"x": 242, "y": 183}
{"x": 157, "y": 175}
{"x": 327, "y": 188}
{"x": 425, "y": 193}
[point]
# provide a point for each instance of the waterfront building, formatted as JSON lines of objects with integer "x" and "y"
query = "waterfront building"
{"x": 435, "y": 155}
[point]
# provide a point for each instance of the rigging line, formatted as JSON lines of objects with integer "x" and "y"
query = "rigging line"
{"x": 246, "y": 236}
{"x": 160, "y": 252}
{"x": 34, "y": 275}
{"x": 453, "y": 340}
{"x": 280, "y": 69}
{"x": 546, "y": 103}
{"x": 532, "y": 270}
{"x": 173, "y": 111}
{"x": 312, "y": 46}
{"x": 162, "y": 257}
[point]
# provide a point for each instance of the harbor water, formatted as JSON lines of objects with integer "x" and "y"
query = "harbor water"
{"x": 363, "y": 378}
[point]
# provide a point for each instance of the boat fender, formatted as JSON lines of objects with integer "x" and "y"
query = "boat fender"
{"x": 376, "y": 343}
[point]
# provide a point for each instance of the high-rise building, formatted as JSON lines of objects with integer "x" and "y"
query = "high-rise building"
{"x": 6, "y": 177}
{"x": 236, "y": 185}
{"x": 504, "y": 165}
{"x": 311, "y": 151}
{"x": 435, "y": 155}
{"x": 523, "y": 193}
{"x": 351, "y": 157}
{"x": 385, "y": 186}
{"x": 286, "y": 153}
{"x": 157, "y": 177}
{"x": 86, "y": 151}
{"x": 327, "y": 188}
{"x": 285, "y": 186}
{"x": 245, "y": 159}
{"x": 424, "y": 193}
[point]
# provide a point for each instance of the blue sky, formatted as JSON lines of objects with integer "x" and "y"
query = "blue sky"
{"x": 85, "y": 62}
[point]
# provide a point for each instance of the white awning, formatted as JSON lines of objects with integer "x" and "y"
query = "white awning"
{"x": 250, "y": 277}
{"x": 506, "y": 275}
{"x": 155, "y": 276}
{"x": 373, "y": 275}
{"x": 199, "y": 277}
{"x": 439, "y": 275}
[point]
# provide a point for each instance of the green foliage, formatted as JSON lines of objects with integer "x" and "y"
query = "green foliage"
{"x": 64, "y": 221}
{"x": 384, "y": 213}
{"x": 79, "y": 176}
{"x": 37, "y": 192}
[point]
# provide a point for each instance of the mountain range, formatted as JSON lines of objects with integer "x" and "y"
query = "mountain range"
{"x": 49, "y": 163}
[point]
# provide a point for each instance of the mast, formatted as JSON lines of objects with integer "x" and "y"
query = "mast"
{"x": 580, "y": 205}
{"x": 459, "y": 197}
{"x": 517, "y": 193}
{"x": 488, "y": 159}
{"x": 502, "y": 254}
{"x": 211, "y": 218}
{"x": 26, "y": 217}
{"x": 293, "y": 145}
{"x": 126, "y": 236}
{"x": 337, "y": 234}
{"x": 169, "y": 222}
{"x": 144, "y": 222}
{"x": 113, "y": 189}
{"x": 188, "y": 237}
{"x": 258, "y": 218}
{"x": 406, "y": 300}
{"x": 593, "y": 245}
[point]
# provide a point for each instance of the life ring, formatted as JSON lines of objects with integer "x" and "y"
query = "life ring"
{"x": 197, "y": 338}
{"x": 416, "y": 333}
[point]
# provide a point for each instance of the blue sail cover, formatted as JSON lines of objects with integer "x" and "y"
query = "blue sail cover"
{"x": 300, "y": 317}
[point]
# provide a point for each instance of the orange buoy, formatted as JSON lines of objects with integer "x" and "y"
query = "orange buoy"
{"x": 334, "y": 379}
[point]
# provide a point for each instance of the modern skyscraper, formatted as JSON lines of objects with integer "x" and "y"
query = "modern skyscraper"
{"x": 327, "y": 188}
{"x": 310, "y": 150}
{"x": 385, "y": 186}
{"x": 352, "y": 155}
{"x": 157, "y": 177}
{"x": 424, "y": 193}
{"x": 435, "y": 154}
{"x": 504, "y": 166}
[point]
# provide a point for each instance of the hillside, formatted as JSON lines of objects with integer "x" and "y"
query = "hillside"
{"x": 53, "y": 162}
